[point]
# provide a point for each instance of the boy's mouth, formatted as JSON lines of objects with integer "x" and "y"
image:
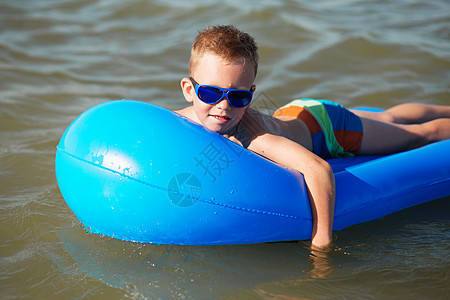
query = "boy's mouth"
{"x": 224, "y": 119}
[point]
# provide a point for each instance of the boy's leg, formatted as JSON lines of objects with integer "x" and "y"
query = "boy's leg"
{"x": 408, "y": 113}
{"x": 384, "y": 138}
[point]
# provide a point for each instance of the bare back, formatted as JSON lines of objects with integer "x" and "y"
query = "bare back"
{"x": 255, "y": 123}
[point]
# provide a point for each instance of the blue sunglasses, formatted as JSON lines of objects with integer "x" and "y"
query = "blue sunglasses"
{"x": 210, "y": 94}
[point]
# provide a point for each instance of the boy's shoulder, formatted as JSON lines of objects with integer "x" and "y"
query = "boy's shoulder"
{"x": 187, "y": 112}
{"x": 255, "y": 123}
{"x": 183, "y": 111}
{"x": 260, "y": 122}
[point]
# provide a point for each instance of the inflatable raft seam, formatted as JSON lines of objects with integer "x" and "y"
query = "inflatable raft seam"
{"x": 110, "y": 170}
{"x": 253, "y": 210}
{"x": 167, "y": 190}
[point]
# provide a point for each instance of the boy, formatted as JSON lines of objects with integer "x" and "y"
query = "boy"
{"x": 223, "y": 67}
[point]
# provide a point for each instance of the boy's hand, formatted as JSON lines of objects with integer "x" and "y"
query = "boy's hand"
{"x": 318, "y": 175}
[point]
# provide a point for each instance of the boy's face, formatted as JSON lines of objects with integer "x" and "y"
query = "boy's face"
{"x": 212, "y": 70}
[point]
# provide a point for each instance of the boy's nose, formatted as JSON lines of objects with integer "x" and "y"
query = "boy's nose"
{"x": 223, "y": 104}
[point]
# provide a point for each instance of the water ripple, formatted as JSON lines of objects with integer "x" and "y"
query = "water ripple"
{"x": 60, "y": 57}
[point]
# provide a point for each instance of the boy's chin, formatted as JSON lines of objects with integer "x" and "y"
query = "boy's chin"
{"x": 219, "y": 129}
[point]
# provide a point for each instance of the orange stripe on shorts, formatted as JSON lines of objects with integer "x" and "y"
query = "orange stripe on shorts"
{"x": 301, "y": 113}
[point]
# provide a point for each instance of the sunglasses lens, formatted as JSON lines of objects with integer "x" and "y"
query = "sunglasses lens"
{"x": 209, "y": 94}
{"x": 240, "y": 98}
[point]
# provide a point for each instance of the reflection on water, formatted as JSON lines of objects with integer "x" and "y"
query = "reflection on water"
{"x": 322, "y": 264}
{"x": 369, "y": 257}
{"x": 58, "y": 58}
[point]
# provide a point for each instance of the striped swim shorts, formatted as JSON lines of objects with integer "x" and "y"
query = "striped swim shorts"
{"x": 335, "y": 131}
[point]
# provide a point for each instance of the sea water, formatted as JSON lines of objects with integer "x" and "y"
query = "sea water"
{"x": 60, "y": 57}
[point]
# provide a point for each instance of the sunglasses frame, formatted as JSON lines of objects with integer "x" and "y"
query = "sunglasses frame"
{"x": 225, "y": 93}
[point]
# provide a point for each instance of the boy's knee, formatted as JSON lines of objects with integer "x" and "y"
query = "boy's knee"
{"x": 387, "y": 117}
{"x": 437, "y": 130}
{"x": 390, "y": 118}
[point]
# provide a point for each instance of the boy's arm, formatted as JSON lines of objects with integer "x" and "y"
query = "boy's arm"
{"x": 318, "y": 176}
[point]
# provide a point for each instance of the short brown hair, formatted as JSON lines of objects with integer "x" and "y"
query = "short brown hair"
{"x": 227, "y": 42}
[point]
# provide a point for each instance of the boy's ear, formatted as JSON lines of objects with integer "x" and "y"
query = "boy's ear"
{"x": 188, "y": 89}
